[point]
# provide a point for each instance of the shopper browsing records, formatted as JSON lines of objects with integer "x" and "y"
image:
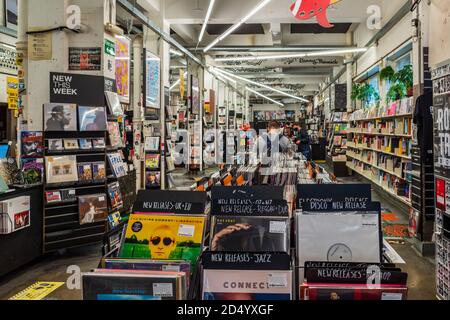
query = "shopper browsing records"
{"x": 272, "y": 142}
{"x": 303, "y": 142}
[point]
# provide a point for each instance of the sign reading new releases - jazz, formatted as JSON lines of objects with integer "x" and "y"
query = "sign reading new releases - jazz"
{"x": 81, "y": 89}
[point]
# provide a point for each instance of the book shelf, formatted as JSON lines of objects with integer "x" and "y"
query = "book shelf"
{"x": 380, "y": 147}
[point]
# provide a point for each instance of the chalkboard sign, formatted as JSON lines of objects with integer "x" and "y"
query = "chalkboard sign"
{"x": 353, "y": 276}
{"x": 246, "y": 261}
{"x": 249, "y": 201}
{"x": 348, "y": 265}
{"x": 340, "y": 96}
{"x": 179, "y": 202}
{"x": 313, "y": 207}
{"x": 81, "y": 89}
{"x": 334, "y": 197}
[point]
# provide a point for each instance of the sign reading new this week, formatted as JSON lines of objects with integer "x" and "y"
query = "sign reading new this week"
{"x": 77, "y": 88}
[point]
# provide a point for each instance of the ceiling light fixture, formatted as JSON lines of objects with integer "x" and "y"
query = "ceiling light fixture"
{"x": 294, "y": 55}
{"x": 176, "y": 53}
{"x": 263, "y": 96}
{"x": 260, "y": 85}
{"x": 234, "y": 27}
{"x": 208, "y": 15}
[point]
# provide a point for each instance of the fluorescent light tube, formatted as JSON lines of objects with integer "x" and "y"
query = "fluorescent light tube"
{"x": 208, "y": 15}
{"x": 238, "y": 24}
{"x": 260, "y": 85}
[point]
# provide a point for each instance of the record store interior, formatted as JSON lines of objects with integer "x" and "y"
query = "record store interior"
{"x": 224, "y": 150}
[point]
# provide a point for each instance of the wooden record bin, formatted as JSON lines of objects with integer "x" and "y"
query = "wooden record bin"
{"x": 62, "y": 228}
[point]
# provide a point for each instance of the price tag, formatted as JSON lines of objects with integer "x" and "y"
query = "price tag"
{"x": 171, "y": 268}
{"x": 186, "y": 230}
{"x": 277, "y": 227}
{"x": 277, "y": 280}
{"x": 163, "y": 290}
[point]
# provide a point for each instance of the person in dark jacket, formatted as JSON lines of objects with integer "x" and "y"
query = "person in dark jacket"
{"x": 303, "y": 142}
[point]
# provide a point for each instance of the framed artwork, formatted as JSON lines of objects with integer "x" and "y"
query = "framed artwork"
{"x": 123, "y": 45}
{"x": 152, "y": 80}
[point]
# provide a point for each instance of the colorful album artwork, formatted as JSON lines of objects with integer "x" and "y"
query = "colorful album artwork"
{"x": 123, "y": 68}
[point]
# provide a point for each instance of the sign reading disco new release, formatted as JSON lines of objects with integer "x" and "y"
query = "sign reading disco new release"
{"x": 77, "y": 88}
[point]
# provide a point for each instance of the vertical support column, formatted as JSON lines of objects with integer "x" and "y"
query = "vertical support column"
{"x": 349, "y": 79}
{"x": 137, "y": 109}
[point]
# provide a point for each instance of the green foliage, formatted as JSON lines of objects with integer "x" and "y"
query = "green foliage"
{"x": 364, "y": 92}
{"x": 387, "y": 73}
{"x": 401, "y": 82}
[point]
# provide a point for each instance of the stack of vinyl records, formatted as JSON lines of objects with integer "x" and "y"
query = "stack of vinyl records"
{"x": 248, "y": 225}
{"x": 159, "y": 250}
{"x": 353, "y": 281}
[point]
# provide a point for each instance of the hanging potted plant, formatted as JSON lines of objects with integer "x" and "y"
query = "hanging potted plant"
{"x": 405, "y": 76}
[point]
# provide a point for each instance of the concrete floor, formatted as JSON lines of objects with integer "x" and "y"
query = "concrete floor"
{"x": 421, "y": 271}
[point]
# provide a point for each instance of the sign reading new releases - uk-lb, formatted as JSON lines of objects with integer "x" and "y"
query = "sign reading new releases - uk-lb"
{"x": 77, "y": 88}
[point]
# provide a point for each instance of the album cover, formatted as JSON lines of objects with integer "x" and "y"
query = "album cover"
{"x": 164, "y": 237}
{"x": 115, "y": 197}
{"x": 60, "y": 117}
{"x": 114, "y": 219}
{"x": 68, "y": 195}
{"x": 114, "y": 106}
{"x": 33, "y": 171}
{"x": 131, "y": 286}
{"x": 170, "y": 163}
{"x": 247, "y": 285}
{"x": 254, "y": 234}
{"x": 84, "y": 172}
{"x": 85, "y": 144}
{"x": 98, "y": 143}
{"x": 149, "y": 265}
{"x": 152, "y": 144}
{"x": 92, "y": 118}
{"x": 128, "y": 189}
{"x": 71, "y": 144}
{"x": 10, "y": 172}
{"x": 55, "y": 145}
{"x": 338, "y": 238}
{"x": 98, "y": 171}
{"x": 152, "y": 179}
{"x": 61, "y": 169}
{"x": 115, "y": 138}
{"x": 352, "y": 292}
{"x": 117, "y": 165}
{"x": 53, "y": 196}
{"x": 152, "y": 161}
{"x": 92, "y": 208}
{"x": 16, "y": 214}
{"x": 32, "y": 144}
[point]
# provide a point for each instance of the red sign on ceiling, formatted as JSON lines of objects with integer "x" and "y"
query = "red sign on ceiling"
{"x": 308, "y": 9}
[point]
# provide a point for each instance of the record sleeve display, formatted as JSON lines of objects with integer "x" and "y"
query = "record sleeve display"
{"x": 92, "y": 118}
{"x": 10, "y": 171}
{"x": 92, "y": 208}
{"x": 98, "y": 171}
{"x": 55, "y": 145}
{"x": 169, "y": 237}
{"x": 53, "y": 196}
{"x": 111, "y": 285}
{"x": 114, "y": 219}
{"x": 33, "y": 171}
{"x": 252, "y": 234}
{"x": 15, "y": 214}
{"x": 152, "y": 144}
{"x": 114, "y": 135}
{"x": 60, "y": 117}
{"x": 85, "y": 144}
{"x": 115, "y": 108}
{"x": 353, "y": 292}
{"x": 32, "y": 144}
{"x": 118, "y": 166}
{"x": 84, "y": 172}
{"x": 115, "y": 197}
{"x": 152, "y": 179}
{"x": 338, "y": 238}
{"x": 98, "y": 143}
{"x": 152, "y": 161}
{"x": 61, "y": 169}
{"x": 68, "y": 195}
{"x": 149, "y": 265}
{"x": 71, "y": 144}
{"x": 247, "y": 285}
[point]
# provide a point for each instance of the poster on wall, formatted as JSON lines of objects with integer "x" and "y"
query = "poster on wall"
{"x": 152, "y": 81}
{"x": 441, "y": 110}
{"x": 195, "y": 95}
{"x": 11, "y": 14}
{"x": 182, "y": 84}
{"x": 8, "y": 59}
{"x": 85, "y": 59}
{"x": 12, "y": 90}
{"x": 123, "y": 68}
